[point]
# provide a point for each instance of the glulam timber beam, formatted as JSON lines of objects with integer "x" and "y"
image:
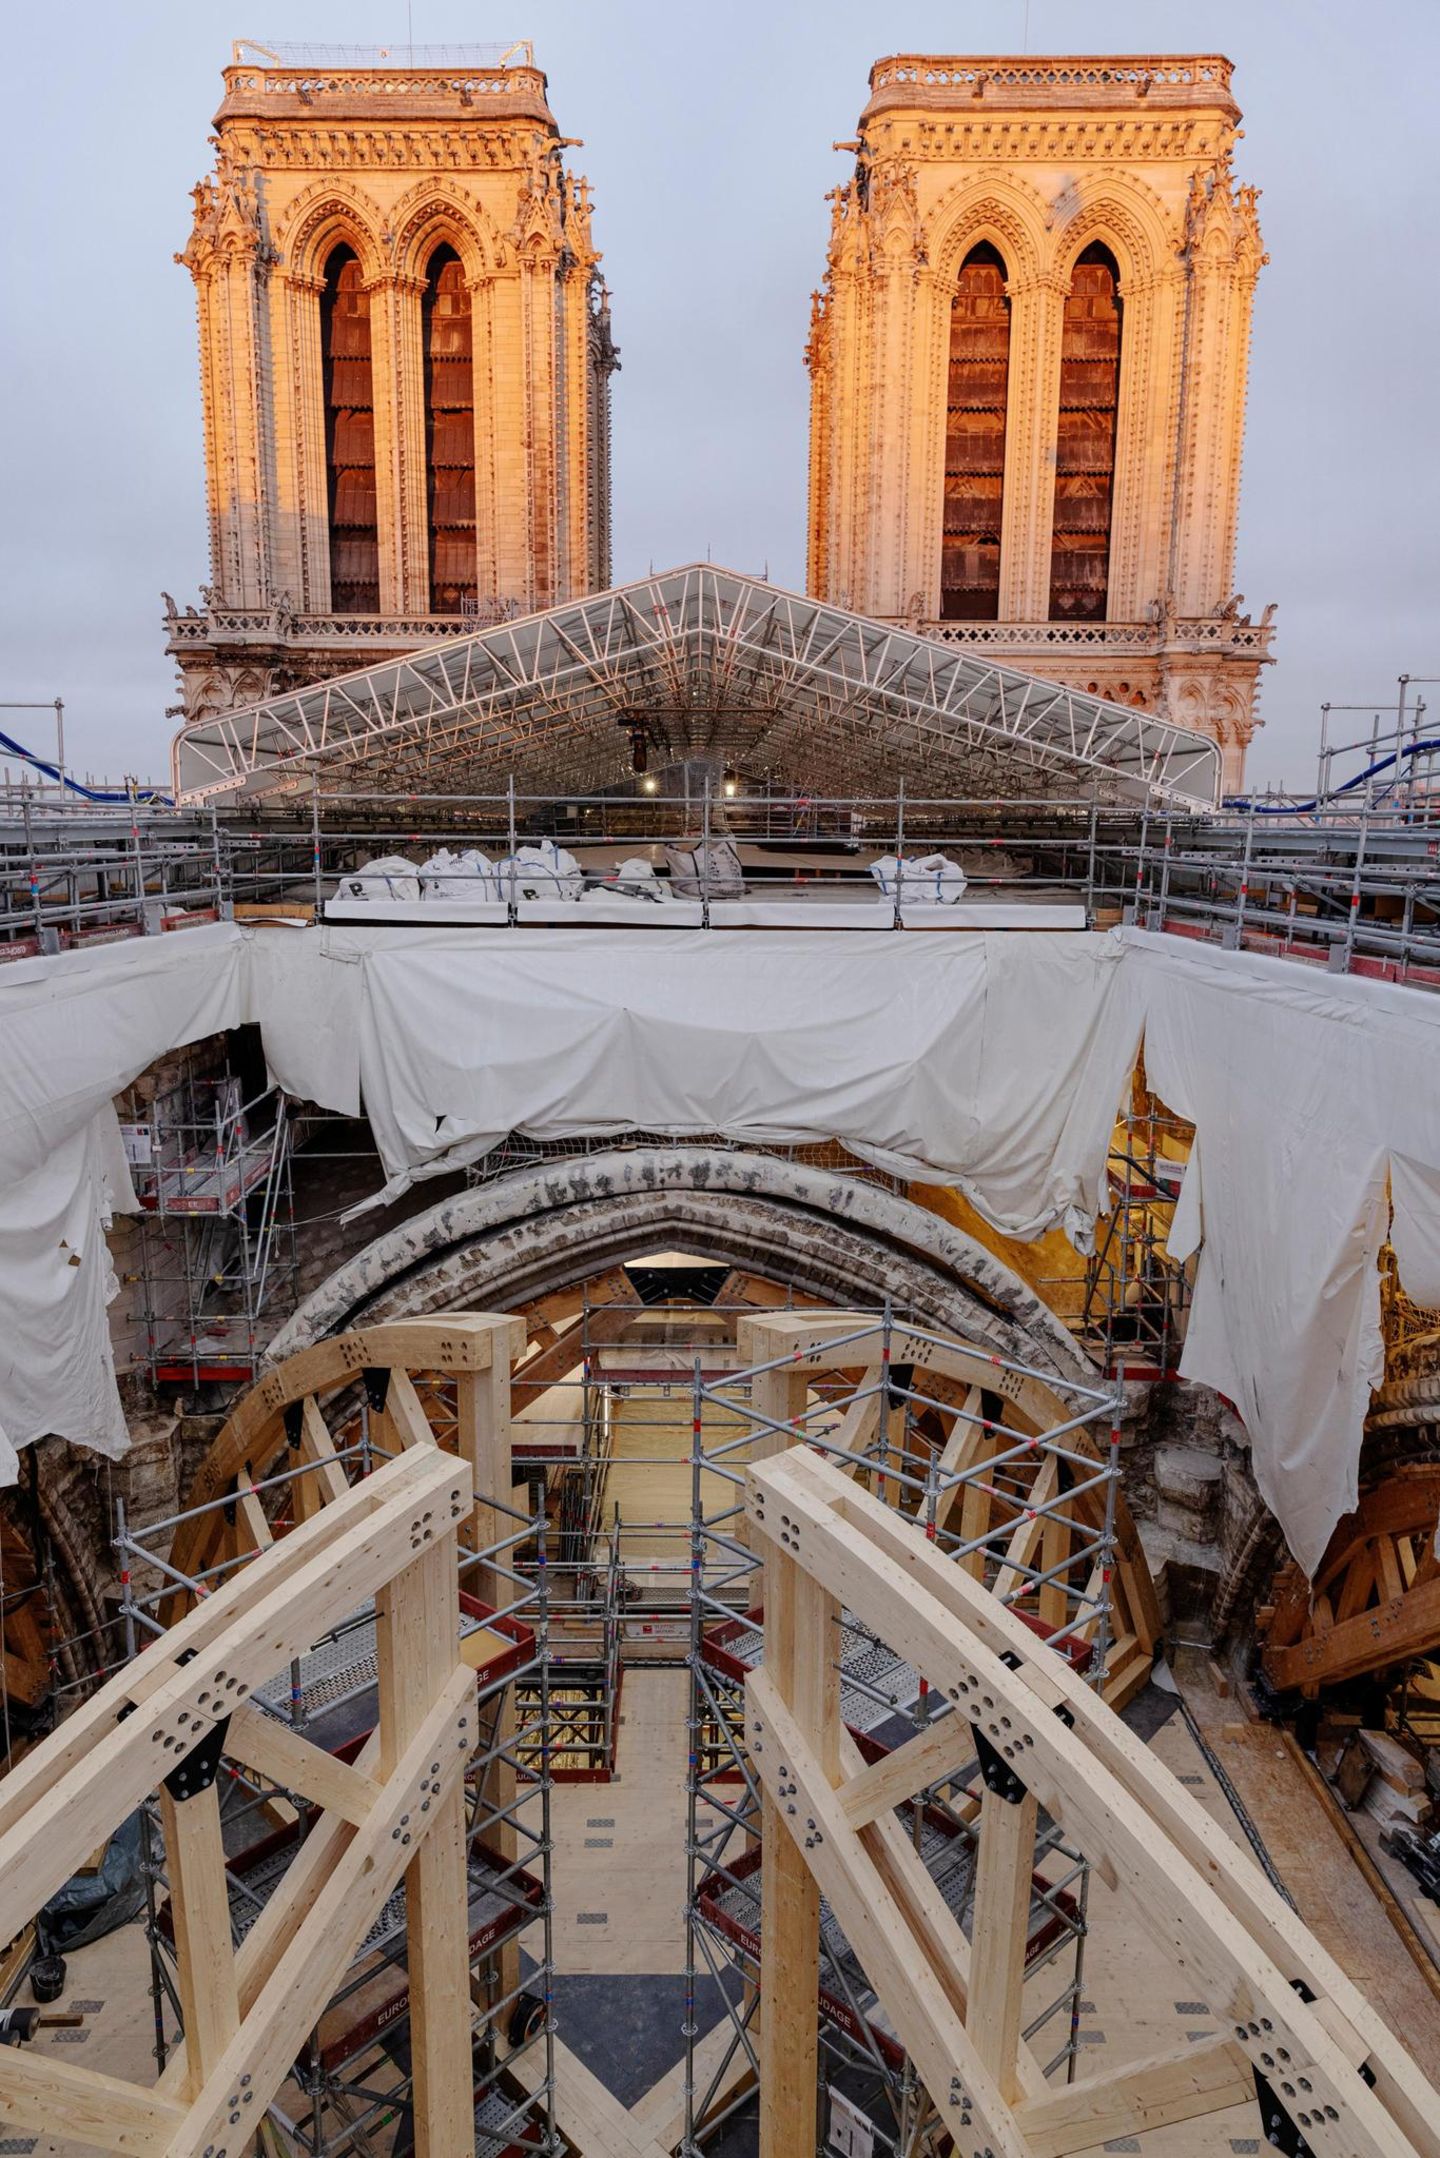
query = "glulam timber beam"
{"x": 1292, "y": 2018}
{"x": 165, "y": 1723}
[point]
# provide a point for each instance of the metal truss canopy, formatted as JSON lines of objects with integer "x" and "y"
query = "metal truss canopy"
{"x": 702, "y": 663}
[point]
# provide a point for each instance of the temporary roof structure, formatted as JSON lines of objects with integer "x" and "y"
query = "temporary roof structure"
{"x": 699, "y": 662}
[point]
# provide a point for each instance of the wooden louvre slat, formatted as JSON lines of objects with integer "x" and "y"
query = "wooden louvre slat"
{"x": 976, "y": 397}
{"x": 449, "y": 434}
{"x": 1085, "y": 442}
{"x": 350, "y": 437}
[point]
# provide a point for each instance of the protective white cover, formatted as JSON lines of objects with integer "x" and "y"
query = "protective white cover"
{"x": 979, "y": 1061}
{"x": 1307, "y": 1091}
{"x": 73, "y": 1032}
{"x": 992, "y": 1062}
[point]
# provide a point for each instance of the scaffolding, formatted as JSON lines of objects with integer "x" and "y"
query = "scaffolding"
{"x": 349, "y": 2091}
{"x": 1037, "y": 1523}
{"x": 218, "y": 1261}
{"x": 1346, "y": 880}
{"x": 1136, "y": 1295}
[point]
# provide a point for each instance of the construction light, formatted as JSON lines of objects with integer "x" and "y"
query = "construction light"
{"x": 649, "y": 783}
{"x": 732, "y": 786}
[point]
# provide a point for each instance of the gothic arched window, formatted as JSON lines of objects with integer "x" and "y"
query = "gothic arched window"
{"x": 449, "y": 434}
{"x": 350, "y": 437}
{"x": 975, "y": 400}
{"x": 1085, "y": 441}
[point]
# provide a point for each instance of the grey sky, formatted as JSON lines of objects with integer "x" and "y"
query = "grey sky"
{"x": 707, "y": 134}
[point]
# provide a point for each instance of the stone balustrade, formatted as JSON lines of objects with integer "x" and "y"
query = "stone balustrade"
{"x": 264, "y": 625}
{"x": 1208, "y": 633}
{"x": 1074, "y": 77}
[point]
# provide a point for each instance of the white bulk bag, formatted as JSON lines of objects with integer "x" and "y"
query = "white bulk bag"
{"x": 706, "y": 872}
{"x": 634, "y": 879}
{"x": 539, "y": 871}
{"x": 389, "y": 876}
{"x": 468, "y": 875}
{"x": 929, "y": 879}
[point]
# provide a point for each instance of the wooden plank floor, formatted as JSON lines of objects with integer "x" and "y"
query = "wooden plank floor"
{"x": 619, "y": 1861}
{"x": 1333, "y": 1896}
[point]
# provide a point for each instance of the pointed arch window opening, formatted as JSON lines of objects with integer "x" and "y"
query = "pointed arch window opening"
{"x": 449, "y": 434}
{"x": 976, "y": 404}
{"x": 349, "y": 436}
{"x": 1090, "y": 347}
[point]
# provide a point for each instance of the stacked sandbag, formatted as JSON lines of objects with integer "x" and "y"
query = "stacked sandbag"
{"x": 927, "y": 879}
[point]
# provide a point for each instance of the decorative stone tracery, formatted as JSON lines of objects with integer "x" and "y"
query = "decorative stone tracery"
{"x": 1043, "y": 159}
{"x": 418, "y": 157}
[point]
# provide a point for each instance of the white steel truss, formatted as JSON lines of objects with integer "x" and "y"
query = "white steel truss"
{"x": 698, "y": 662}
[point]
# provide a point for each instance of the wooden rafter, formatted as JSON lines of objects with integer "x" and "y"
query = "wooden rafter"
{"x": 1375, "y": 1599}
{"x": 164, "y": 1723}
{"x": 396, "y": 1812}
{"x": 1343, "y": 2081}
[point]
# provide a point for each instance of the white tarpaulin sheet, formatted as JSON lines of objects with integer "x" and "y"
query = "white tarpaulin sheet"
{"x": 1308, "y": 1091}
{"x": 991, "y": 1062}
{"x": 73, "y": 1032}
{"x": 985, "y": 1062}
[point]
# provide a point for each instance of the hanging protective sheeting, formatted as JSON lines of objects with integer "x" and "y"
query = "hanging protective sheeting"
{"x": 57, "y": 1371}
{"x": 994, "y": 1063}
{"x": 1310, "y": 1094}
{"x": 987, "y": 1062}
{"x": 73, "y": 1032}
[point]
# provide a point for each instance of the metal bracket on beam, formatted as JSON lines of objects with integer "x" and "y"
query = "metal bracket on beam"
{"x": 201, "y": 1764}
{"x": 1280, "y": 2126}
{"x": 902, "y": 1380}
{"x": 377, "y": 1386}
{"x": 997, "y": 1774}
{"x": 294, "y": 1416}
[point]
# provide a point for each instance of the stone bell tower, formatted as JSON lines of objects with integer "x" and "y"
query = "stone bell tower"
{"x": 1028, "y": 366}
{"x": 405, "y": 359}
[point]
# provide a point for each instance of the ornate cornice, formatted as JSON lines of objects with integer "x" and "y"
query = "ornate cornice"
{"x": 320, "y": 145}
{"x": 1046, "y": 140}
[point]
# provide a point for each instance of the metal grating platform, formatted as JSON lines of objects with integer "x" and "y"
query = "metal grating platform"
{"x": 877, "y": 1667}
{"x": 338, "y": 1669}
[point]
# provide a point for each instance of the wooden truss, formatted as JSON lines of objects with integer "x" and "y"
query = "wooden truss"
{"x": 1375, "y": 1599}
{"x": 1329, "y": 2075}
{"x": 1025, "y": 1517}
{"x": 165, "y": 1722}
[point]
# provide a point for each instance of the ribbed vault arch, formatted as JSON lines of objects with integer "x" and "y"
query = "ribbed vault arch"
{"x": 830, "y": 1238}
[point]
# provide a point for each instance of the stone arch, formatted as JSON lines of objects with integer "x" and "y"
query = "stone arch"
{"x": 1121, "y": 215}
{"x": 324, "y": 217}
{"x": 1004, "y": 211}
{"x": 832, "y": 1238}
{"x": 437, "y": 212}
